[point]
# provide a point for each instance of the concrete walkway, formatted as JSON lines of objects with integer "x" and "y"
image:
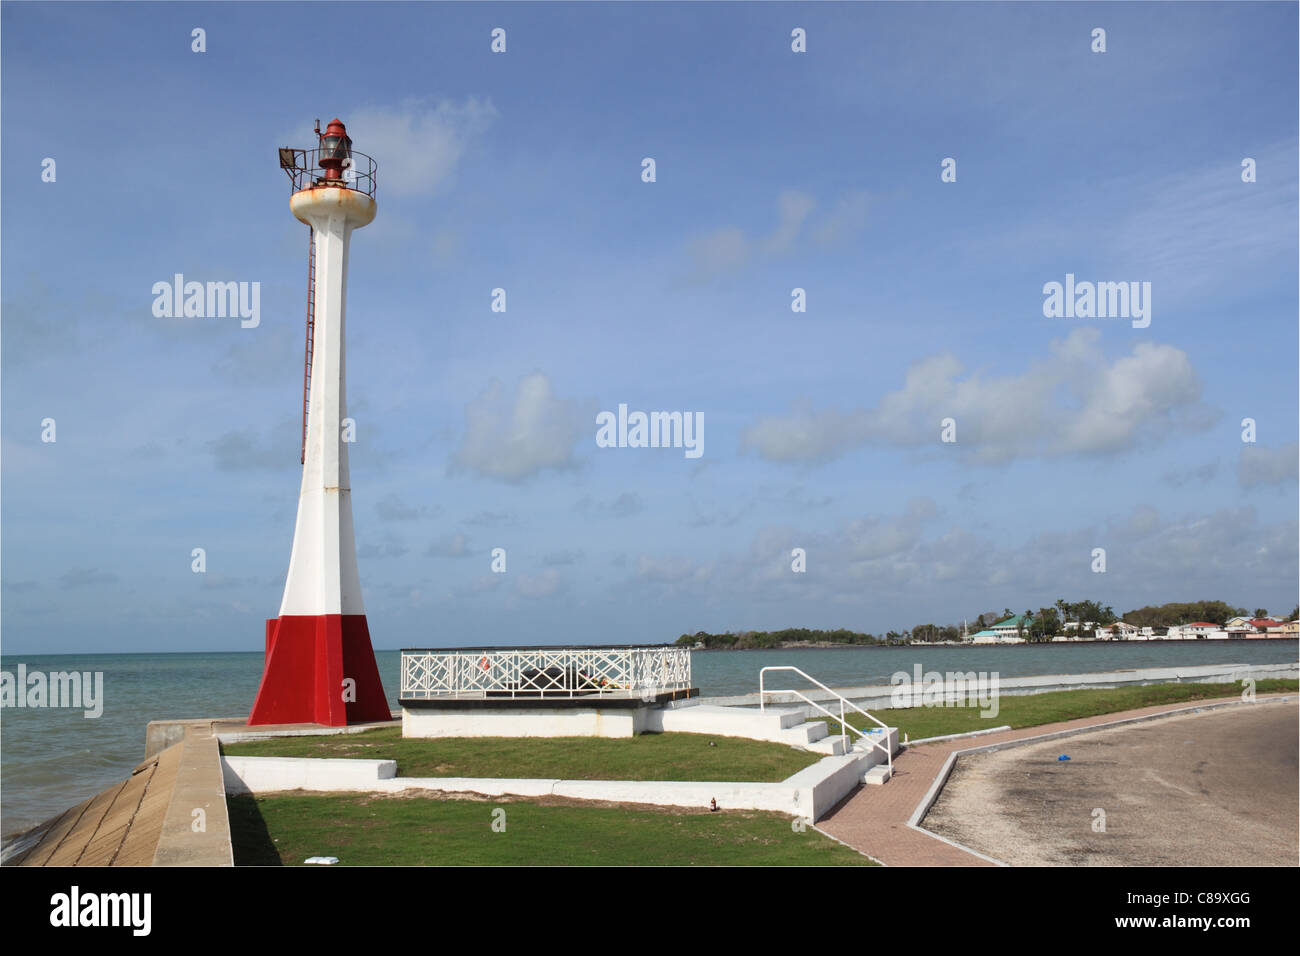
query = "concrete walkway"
{"x": 874, "y": 820}
{"x": 171, "y": 811}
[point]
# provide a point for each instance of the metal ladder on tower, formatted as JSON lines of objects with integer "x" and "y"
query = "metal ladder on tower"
{"x": 311, "y": 329}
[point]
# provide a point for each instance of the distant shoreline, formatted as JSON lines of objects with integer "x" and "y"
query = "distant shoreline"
{"x": 831, "y": 645}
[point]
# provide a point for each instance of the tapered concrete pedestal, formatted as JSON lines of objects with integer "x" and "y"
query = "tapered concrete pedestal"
{"x": 319, "y": 669}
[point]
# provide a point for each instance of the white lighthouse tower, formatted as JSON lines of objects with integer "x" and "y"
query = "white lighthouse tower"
{"x": 320, "y": 666}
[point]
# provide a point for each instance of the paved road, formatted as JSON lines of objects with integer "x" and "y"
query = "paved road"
{"x": 874, "y": 819}
{"x": 1212, "y": 789}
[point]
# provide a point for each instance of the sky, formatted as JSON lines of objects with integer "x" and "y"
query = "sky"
{"x": 774, "y": 170}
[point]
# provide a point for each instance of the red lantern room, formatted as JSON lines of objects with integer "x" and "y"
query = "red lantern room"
{"x": 335, "y": 149}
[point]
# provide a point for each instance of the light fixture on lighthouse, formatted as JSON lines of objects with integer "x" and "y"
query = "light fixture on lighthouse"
{"x": 335, "y": 149}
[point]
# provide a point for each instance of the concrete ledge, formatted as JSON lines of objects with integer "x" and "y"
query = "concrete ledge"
{"x": 198, "y": 795}
{"x": 881, "y": 696}
{"x": 266, "y": 774}
{"x": 161, "y": 734}
{"x": 502, "y": 721}
{"x": 227, "y": 735}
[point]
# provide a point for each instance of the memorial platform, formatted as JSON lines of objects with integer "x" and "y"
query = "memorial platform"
{"x": 540, "y": 691}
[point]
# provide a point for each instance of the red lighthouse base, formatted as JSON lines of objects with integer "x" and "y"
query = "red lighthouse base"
{"x": 319, "y": 669}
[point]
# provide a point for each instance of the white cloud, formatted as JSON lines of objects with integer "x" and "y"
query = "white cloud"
{"x": 914, "y": 566}
{"x": 514, "y": 438}
{"x": 626, "y": 505}
{"x": 1074, "y": 401}
{"x": 729, "y": 248}
{"x": 793, "y": 208}
{"x": 450, "y": 546}
{"x": 541, "y": 585}
{"x": 718, "y": 251}
{"x": 847, "y": 217}
{"x": 1268, "y": 466}
{"x": 391, "y": 507}
{"x": 418, "y": 145}
{"x": 1205, "y": 224}
{"x": 672, "y": 570}
{"x": 244, "y": 449}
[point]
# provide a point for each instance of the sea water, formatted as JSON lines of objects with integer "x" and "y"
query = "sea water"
{"x": 52, "y": 759}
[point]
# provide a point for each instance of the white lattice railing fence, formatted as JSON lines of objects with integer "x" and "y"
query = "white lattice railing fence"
{"x": 545, "y": 672}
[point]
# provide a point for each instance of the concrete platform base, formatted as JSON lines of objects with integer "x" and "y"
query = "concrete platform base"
{"x": 518, "y": 722}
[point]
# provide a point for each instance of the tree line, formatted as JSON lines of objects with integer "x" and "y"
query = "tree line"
{"x": 1040, "y": 625}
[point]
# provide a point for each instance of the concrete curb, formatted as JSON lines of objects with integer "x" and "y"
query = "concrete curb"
{"x": 881, "y": 696}
{"x": 969, "y": 733}
{"x": 198, "y": 787}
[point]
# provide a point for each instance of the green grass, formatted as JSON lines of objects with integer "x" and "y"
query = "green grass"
{"x": 361, "y": 830}
{"x": 647, "y": 757}
{"x": 1036, "y": 709}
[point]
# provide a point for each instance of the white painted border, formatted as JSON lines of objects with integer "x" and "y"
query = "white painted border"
{"x": 969, "y": 733}
{"x": 809, "y": 794}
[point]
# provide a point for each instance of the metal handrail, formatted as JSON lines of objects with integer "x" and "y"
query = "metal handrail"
{"x": 844, "y": 724}
{"x": 306, "y": 172}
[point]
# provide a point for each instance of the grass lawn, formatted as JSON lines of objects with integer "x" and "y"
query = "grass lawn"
{"x": 647, "y": 757}
{"x": 1035, "y": 709}
{"x": 382, "y": 830}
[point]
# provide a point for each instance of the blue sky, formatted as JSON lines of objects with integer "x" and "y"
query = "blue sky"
{"x": 775, "y": 170}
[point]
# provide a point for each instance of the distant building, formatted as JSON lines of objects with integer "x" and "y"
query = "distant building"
{"x": 1119, "y": 631}
{"x": 1003, "y": 632}
{"x": 1198, "y": 631}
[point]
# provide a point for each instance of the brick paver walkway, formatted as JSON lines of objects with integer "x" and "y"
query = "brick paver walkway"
{"x": 874, "y": 819}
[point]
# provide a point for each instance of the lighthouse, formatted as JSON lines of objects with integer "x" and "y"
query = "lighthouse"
{"x": 320, "y": 665}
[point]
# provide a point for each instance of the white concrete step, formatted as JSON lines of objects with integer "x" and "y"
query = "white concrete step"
{"x": 727, "y": 721}
{"x": 801, "y": 735}
{"x": 788, "y": 718}
{"x": 877, "y": 775}
{"x": 833, "y": 745}
{"x": 860, "y": 743}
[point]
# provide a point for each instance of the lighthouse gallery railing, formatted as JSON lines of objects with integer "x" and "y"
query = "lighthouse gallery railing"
{"x": 358, "y": 170}
{"x": 535, "y": 672}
